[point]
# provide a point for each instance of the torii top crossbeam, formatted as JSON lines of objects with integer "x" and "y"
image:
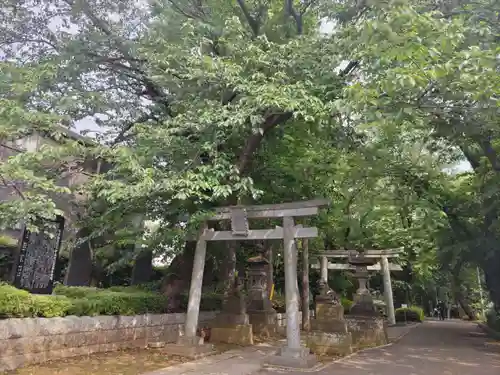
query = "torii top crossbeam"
{"x": 348, "y": 267}
{"x": 390, "y": 253}
{"x": 239, "y": 216}
{"x": 263, "y": 211}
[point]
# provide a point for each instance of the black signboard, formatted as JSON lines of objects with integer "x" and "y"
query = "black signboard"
{"x": 38, "y": 257}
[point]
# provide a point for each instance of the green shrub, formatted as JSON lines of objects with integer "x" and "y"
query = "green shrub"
{"x": 80, "y": 301}
{"x": 7, "y": 241}
{"x": 15, "y": 303}
{"x": 493, "y": 320}
{"x": 75, "y": 291}
{"x": 50, "y": 306}
{"x": 209, "y": 301}
{"x": 347, "y": 304}
{"x": 110, "y": 302}
{"x": 153, "y": 286}
{"x": 410, "y": 314}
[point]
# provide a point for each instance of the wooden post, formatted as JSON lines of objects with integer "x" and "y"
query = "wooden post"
{"x": 306, "y": 318}
{"x": 291, "y": 292}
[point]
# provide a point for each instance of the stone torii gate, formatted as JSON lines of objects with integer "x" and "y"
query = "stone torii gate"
{"x": 293, "y": 354}
{"x": 382, "y": 255}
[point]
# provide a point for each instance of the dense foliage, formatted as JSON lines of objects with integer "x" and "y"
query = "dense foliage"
{"x": 199, "y": 104}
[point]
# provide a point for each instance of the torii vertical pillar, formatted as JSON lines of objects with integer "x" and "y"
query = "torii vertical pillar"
{"x": 193, "y": 308}
{"x": 324, "y": 269}
{"x": 389, "y": 301}
{"x": 291, "y": 291}
{"x": 190, "y": 345}
{"x": 292, "y": 354}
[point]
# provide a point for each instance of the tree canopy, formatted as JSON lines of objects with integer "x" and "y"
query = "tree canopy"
{"x": 203, "y": 103}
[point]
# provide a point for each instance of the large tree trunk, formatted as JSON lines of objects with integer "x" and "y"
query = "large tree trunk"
{"x": 178, "y": 278}
{"x": 492, "y": 278}
{"x": 143, "y": 268}
{"x": 79, "y": 271}
{"x": 462, "y": 301}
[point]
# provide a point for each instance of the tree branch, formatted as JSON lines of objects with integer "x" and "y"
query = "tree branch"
{"x": 306, "y": 6}
{"x": 472, "y": 159}
{"x": 295, "y": 15}
{"x": 254, "y": 26}
{"x": 152, "y": 90}
{"x": 121, "y": 135}
{"x": 489, "y": 152}
{"x": 253, "y": 142}
{"x": 13, "y": 186}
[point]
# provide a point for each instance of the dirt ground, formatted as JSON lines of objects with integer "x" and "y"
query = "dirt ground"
{"x": 129, "y": 362}
{"x": 122, "y": 362}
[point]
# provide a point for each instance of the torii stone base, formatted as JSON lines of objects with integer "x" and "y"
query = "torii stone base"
{"x": 367, "y": 332}
{"x": 367, "y": 327}
{"x": 232, "y": 324}
{"x": 231, "y": 329}
{"x": 292, "y": 358}
{"x": 329, "y": 332}
{"x": 190, "y": 348}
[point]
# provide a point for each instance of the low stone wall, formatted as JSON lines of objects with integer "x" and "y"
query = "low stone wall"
{"x": 31, "y": 341}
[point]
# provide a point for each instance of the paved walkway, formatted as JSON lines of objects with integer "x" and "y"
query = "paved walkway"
{"x": 432, "y": 348}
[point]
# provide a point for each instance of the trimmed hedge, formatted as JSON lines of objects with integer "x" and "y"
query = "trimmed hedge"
{"x": 94, "y": 301}
{"x": 410, "y": 314}
{"x": 16, "y": 303}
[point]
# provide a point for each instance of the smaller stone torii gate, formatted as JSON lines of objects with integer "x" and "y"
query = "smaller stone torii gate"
{"x": 293, "y": 354}
{"x": 383, "y": 257}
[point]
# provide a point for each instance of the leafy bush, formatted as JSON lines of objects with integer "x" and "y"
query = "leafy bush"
{"x": 75, "y": 291}
{"x": 50, "y": 306}
{"x": 15, "y": 303}
{"x": 410, "y": 314}
{"x": 127, "y": 301}
{"x": 7, "y": 241}
{"x": 80, "y": 301}
{"x": 209, "y": 301}
{"x": 153, "y": 286}
{"x": 347, "y": 303}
